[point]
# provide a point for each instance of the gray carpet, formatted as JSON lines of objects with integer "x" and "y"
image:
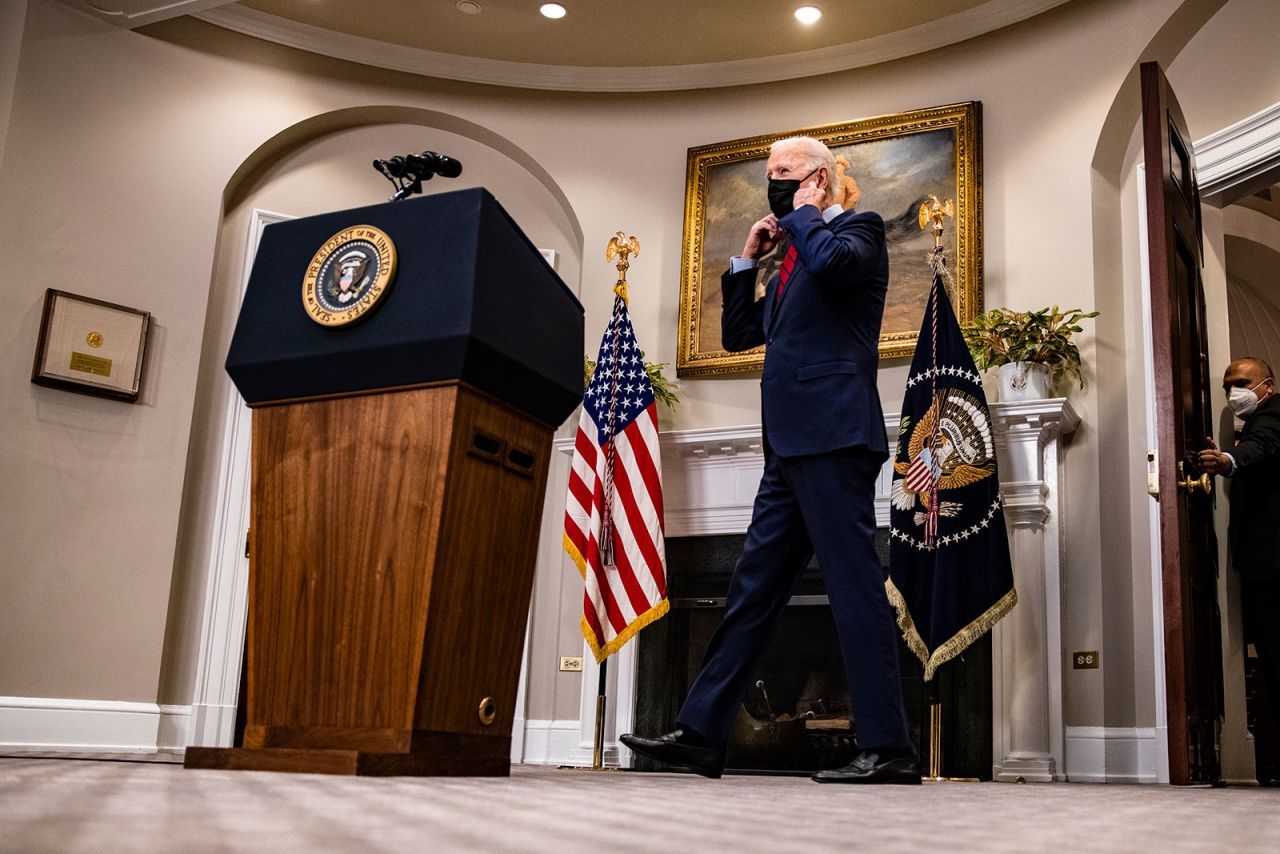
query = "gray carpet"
{"x": 66, "y": 805}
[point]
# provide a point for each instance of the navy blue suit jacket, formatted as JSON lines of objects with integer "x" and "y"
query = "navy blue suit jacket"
{"x": 1254, "y": 531}
{"x": 818, "y": 393}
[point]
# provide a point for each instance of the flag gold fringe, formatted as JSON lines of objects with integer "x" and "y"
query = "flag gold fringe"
{"x": 602, "y": 652}
{"x": 578, "y": 559}
{"x": 958, "y": 642}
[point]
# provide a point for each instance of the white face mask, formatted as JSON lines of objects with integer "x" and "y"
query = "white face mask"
{"x": 1243, "y": 401}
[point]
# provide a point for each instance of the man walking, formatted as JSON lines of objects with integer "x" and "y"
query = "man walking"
{"x": 825, "y": 444}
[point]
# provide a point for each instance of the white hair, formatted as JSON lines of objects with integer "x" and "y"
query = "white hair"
{"x": 816, "y": 155}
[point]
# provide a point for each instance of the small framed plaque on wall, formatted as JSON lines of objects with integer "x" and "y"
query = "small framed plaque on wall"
{"x": 90, "y": 346}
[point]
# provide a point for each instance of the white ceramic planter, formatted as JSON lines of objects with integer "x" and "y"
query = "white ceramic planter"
{"x": 1024, "y": 381}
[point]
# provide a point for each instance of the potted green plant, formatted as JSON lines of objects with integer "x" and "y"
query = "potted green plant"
{"x": 1031, "y": 349}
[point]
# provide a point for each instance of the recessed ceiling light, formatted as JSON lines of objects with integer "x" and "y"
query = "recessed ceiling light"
{"x": 552, "y": 10}
{"x": 467, "y": 7}
{"x": 808, "y": 14}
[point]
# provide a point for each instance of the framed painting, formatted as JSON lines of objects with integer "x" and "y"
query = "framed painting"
{"x": 90, "y": 346}
{"x": 898, "y": 161}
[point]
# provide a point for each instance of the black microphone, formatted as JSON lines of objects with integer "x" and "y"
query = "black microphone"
{"x": 429, "y": 163}
{"x": 408, "y": 172}
{"x": 392, "y": 167}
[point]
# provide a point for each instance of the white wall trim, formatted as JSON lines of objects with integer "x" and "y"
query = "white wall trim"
{"x": 1153, "y": 504}
{"x": 1098, "y": 754}
{"x": 988, "y": 17}
{"x": 1237, "y": 154}
{"x": 226, "y": 601}
{"x": 552, "y": 742}
{"x": 35, "y": 723}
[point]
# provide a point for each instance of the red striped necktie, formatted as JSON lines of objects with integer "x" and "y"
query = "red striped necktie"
{"x": 785, "y": 273}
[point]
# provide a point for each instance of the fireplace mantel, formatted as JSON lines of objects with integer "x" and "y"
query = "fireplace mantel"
{"x": 710, "y": 478}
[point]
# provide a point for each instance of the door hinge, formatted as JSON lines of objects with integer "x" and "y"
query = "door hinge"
{"x": 246, "y": 541}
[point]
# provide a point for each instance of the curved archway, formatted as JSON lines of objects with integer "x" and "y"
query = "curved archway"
{"x": 1134, "y": 613}
{"x": 281, "y": 145}
{"x": 204, "y": 634}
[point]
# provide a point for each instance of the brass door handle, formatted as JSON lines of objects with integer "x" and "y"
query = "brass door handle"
{"x": 1203, "y": 483}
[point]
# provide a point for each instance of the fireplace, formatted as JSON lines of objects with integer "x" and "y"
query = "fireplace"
{"x": 796, "y": 716}
{"x": 1015, "y": 732}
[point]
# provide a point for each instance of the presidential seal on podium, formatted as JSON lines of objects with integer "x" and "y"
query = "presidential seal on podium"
{"x": 348, "y": 275}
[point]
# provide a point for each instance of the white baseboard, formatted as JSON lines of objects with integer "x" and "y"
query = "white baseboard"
{"x": 108, "y": 726}
{"x": 212, "y": 725}
{"x": 553, "y": 743}
{"x": 1098, "y": 754}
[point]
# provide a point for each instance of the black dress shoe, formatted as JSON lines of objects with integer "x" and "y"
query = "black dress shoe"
{"x": 869, "y": 767}
{"x": 676, "y": 748}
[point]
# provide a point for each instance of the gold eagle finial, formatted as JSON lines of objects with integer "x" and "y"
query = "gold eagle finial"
{"x": 935, "y": 211}
{"x": 622, "y": 247}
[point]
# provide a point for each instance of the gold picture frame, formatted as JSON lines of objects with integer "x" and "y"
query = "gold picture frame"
{"x": 898, "y": 160}
{"x": 90, "y": 346}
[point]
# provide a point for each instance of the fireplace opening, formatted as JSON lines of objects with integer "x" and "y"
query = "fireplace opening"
{"x": 796, "y": 714}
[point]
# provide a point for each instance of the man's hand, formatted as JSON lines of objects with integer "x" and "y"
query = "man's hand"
{"x": 809, "y": 196}
{"x": 1212, "y": 460}
{"x": 762, "y": 238}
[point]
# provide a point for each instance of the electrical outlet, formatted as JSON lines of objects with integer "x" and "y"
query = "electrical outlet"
{"x": 571, "y": 664}
{"x": 1086, "y": 660}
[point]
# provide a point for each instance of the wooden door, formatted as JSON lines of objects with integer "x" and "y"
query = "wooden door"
{"x": 1193, "y": 657}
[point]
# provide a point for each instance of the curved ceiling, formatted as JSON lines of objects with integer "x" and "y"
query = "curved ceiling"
{"x": 600, "y": 45}
{"x": 611, "y": 33}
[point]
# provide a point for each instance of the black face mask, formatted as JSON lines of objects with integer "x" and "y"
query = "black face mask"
{"x": 782, "y": 192}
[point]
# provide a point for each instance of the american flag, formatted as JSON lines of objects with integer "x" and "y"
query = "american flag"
{"x": 613, "y": 512}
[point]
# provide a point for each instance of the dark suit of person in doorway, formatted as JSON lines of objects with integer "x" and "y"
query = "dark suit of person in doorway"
{"x": 1253, "y": 467}
{"x": 825, "y": 444}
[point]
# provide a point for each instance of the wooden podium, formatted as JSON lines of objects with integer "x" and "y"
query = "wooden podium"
{"x": 399, "y": 466}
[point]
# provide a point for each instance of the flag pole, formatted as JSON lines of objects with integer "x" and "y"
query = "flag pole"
{"x": 935, "y": 213}
{"x": 597, "y": 753}
{"x": 622, "y": 247}
{"x": 935, "y": 735}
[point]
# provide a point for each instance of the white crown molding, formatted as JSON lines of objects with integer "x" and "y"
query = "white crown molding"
{"x": 137, "y": 13}
{"x": 990, "y": 16}
{"x": 1238, "y": 154}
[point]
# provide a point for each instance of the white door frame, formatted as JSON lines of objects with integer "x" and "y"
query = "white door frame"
{"x": 222, "y": 632}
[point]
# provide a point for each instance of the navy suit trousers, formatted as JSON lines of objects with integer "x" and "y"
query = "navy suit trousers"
{"x": 822, "y": 503}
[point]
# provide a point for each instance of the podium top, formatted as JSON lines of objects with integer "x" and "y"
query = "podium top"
{"x": 471, "y": 300}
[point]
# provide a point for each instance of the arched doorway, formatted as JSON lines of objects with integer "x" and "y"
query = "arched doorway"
{"x": 317, "y": 165}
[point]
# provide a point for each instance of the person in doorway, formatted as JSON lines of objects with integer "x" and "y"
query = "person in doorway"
{"x": 824, "y": 445}
{"x": 1253, "y": 537}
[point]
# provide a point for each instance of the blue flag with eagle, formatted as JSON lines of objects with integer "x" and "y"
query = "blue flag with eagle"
{"x": 950, "y": 577}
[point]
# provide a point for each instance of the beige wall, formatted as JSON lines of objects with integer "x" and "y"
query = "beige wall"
{"x": 106, "y": 506}
{"x": 12, "y": 15}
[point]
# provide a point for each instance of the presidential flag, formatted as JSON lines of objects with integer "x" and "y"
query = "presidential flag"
{"x": 613, "y": 512}
{"x": 950, "y": 577}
